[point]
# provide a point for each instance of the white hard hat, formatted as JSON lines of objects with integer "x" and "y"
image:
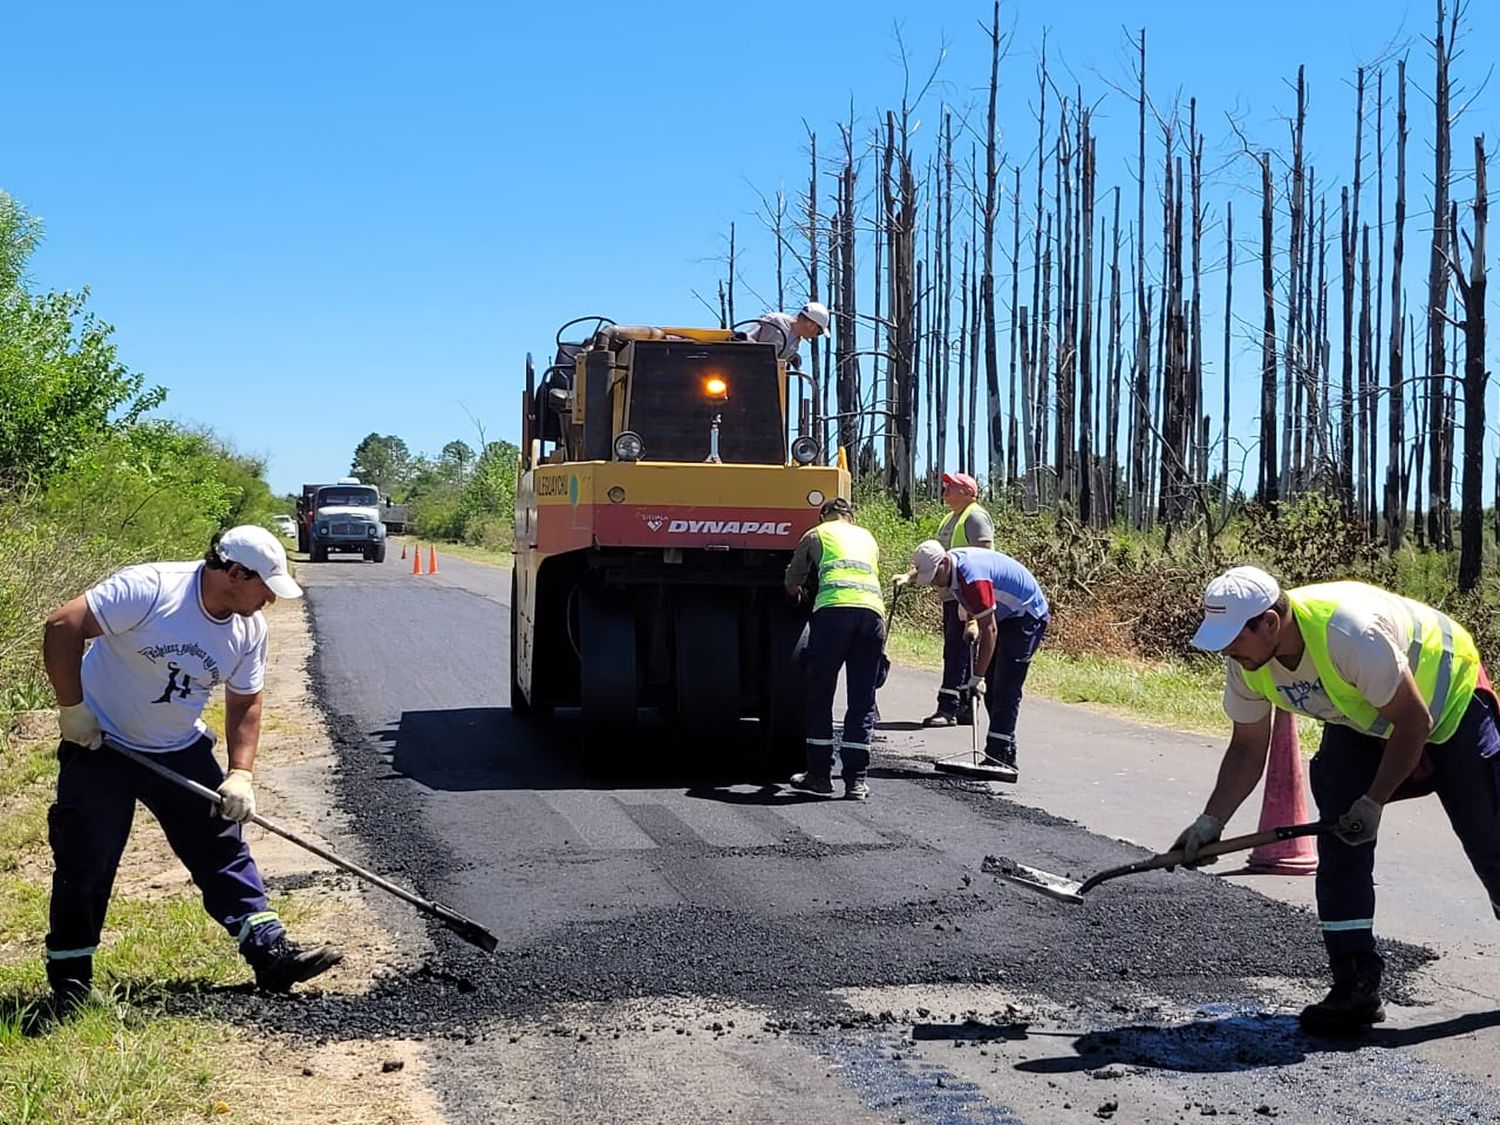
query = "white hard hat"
{"x": 817, "y": 313}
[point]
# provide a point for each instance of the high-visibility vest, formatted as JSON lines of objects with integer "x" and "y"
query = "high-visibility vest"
{"x": 1443, "y": 657}
{"x": 848, "y": 569}
{"x": 960, "y": 537}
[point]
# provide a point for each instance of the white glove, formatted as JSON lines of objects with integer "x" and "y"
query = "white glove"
{"x": 974, "y": 684}
{"x": 971, "y": 633}
{"x": 79, "y": 726}
{"x": 1205, "y": 830}
{"x": 901, "y": 580}
{"x": 1360, "y": 823}
{"x": 239, "y": 796}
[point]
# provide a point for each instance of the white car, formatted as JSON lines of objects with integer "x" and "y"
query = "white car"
{"x": 286, "y": 525}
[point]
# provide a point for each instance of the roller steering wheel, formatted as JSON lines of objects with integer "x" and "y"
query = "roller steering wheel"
{"x": 599, "y": 322}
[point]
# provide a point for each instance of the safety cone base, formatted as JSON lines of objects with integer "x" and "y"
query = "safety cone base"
{"x": 1284, "y": 802}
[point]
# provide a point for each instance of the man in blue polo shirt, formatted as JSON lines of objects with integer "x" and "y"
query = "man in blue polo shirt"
{"x": 1007, "y": 610}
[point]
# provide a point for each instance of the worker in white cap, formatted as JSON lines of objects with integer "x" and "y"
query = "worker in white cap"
{"x": 1407, "y": 711}
{"x": 133, "y": 661}
{"x": 786, "y": 331}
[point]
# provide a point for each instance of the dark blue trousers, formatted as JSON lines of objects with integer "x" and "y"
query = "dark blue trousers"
{"x": 1016, "y": 643}
{"x": 1466, "y": 777}
{"x": 851, "y": 638}
{"x": 89, "y": 825}
{"x": 956, "y": 658}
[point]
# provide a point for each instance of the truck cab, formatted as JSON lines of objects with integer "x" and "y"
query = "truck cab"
{"x": 346, "y": 519}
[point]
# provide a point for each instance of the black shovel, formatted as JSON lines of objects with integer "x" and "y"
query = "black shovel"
{"x": 1067, "y": 890}
{"x": 471, "y": 931}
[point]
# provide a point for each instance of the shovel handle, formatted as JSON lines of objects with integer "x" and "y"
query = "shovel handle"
{"x": 1208, "y": 851}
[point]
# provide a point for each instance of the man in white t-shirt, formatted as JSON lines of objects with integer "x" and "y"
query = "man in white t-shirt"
{"x": 1408, "y": 711}
{"x": 134, "y": 660}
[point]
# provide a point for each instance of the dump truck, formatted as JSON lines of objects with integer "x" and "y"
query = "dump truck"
{"x": 664, "y": 479}
{"x": 341, "y": 517}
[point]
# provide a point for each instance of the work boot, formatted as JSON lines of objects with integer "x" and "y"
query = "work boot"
{"x": 1353, "y": 1003}
{"x": 857, "y": 789}
{"x": 940, "y": 719}
{"x": 285, "y": 963}
{"x": 820, "y": 785}
{"x": 1001, "y": 756}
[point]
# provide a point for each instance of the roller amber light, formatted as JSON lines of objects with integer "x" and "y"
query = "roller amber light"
{"x": 715, "y": 387}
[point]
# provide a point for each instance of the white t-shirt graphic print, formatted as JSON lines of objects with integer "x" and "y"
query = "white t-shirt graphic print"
{"x": 150, "y": 675}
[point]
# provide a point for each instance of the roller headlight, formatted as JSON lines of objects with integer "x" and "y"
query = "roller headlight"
{"x": 815, "y": 498}
{"x": 628, "y": 446}
{"x": 805, "y": 450}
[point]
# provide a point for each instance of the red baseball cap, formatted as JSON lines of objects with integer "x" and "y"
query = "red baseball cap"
{"x": 963, "y": 480}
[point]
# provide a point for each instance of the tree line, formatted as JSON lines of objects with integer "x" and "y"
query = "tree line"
{"x": 89, "y": 480}
{"x": 457, "y": 495}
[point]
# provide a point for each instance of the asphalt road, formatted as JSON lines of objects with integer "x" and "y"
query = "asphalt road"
{"x": 679, "y": 941}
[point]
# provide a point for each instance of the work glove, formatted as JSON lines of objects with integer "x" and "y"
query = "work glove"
{"x": 974, "y": 685}
{"x": 78, "y": 725}
{"x": 1205, "y": 830}
{"x": 1360, "y": 823}
{"x": 901, "y": 580}
{"x": 239, "y": 796}
{"x": 971, "y": 633}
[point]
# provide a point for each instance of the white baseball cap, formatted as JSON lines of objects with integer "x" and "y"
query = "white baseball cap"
{"x": 925, "y": 559}
{"x": 255, "y": 548}
{"x": 1230, "y": 601}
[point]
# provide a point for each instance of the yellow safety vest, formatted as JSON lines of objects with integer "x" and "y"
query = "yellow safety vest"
{"x": 1443, "y": 657}
{"x": 960, "y": 538}
{"x": 848, "y": 571}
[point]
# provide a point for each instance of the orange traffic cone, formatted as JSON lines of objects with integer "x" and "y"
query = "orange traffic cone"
{"x": 1285, "y": 802}
{"x": 403, "y": 550}
{"x": 431, "y": 560}
{"x": 416, "y": 560}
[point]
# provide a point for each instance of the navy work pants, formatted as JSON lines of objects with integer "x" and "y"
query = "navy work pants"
{"x": 1016, "y": 643}
{"x": 956, "y": 662}
{"x": 1466, "y": 777}
{"x": 88, "y": 827}
{"x": 851, "y": 638}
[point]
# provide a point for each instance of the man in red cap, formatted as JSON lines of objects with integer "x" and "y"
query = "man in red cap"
{"x": 966, "y": 525}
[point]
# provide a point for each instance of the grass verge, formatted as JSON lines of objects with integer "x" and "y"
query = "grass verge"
{"x": 1180, "y": 696}
{"x": 121, "y": 1062}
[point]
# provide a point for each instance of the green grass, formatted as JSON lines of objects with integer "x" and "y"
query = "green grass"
{"x": 120, "y": 1062}
{"x": 1179, "y": 696}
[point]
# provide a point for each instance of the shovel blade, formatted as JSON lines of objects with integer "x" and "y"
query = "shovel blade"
{"x": 1033, "y": 879}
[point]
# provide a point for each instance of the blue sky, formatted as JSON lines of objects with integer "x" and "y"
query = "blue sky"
{"x": 309, "y": 222}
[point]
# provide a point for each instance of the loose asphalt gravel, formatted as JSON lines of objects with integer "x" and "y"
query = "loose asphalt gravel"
{"x": 679, "y": 881}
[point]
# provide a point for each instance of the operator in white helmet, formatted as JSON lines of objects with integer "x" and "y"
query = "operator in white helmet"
{"x": 786, "y": 331}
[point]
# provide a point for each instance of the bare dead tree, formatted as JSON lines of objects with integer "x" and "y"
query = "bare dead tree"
{"x": 1267, "y": 492}
{"x": 987, "y": 281}
{"x": 1395, "y": 471}
{"x": 1472, "y": 292}
{"x": 1439, "y": 512}
{"x": 1085, "y": 470}
{"x": 1228, "y": 341}
{"x": 1136, "y": 486}
{"x": 1116, "y": 355}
